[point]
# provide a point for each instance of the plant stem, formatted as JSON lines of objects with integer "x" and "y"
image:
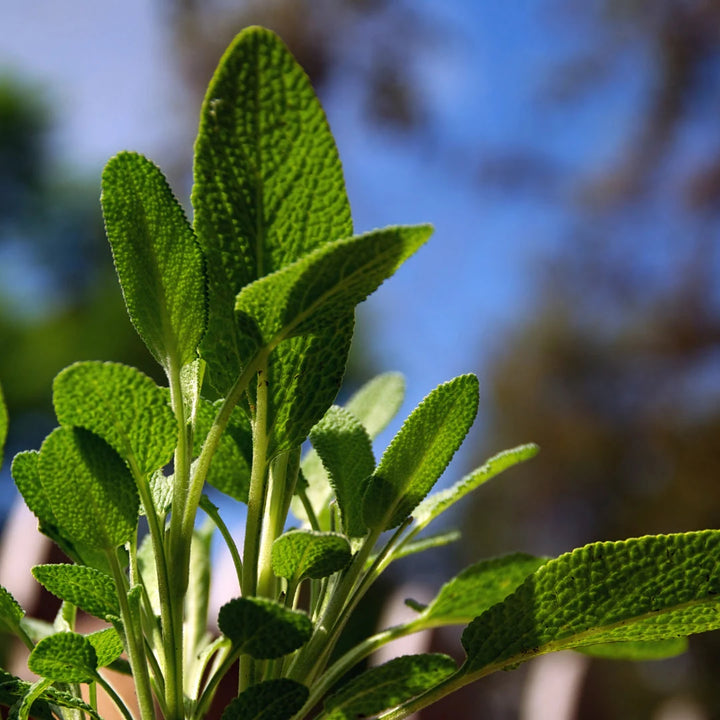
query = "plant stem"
{"x": 108, "y": 688}
{"x": 214, "y": 515}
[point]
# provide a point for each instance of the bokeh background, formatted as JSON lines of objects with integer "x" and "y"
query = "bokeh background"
{"x": 568, "y": 153}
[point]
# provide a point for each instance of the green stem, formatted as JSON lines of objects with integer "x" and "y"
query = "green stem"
{"x": 110, "y": 691}
{"x": 214, "y": 515}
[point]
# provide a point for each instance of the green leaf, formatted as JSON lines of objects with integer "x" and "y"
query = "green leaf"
{"x": 89, "y": 488}
{"x": 10, "y": 612}
{"x": 89, "y": 589}
{"x": 387, "y": 686}
{"x": 64, "y": 657}
{"x": 420, "y": 452}
{"x": 478, "y": 588}
{"x": 262, "y": 628}
{"x": 270, "y": 700}
{"x": 438, "y": 502}
{"x": 122, "y": 406}
{"x": 157, "y": 258}
{"x": 638, "y": 651}
{"x": 645, "y": 589}
{"x": 3, "y": 424}
{"x": 13, "y": 691}
{"x": 425, "y": 543}
{"x": 107, "y": 644}
{"x": 21, "y": 709}
{"x": 345, "y": 448}
{"x": 377, "y": 402}
{"x": 269, "y": 186}
{"x": 301, "y": 554}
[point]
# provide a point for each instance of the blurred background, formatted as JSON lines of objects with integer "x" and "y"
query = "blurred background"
{"x": 568, "y": 154}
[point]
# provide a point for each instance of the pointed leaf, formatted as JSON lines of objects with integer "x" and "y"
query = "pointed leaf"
{"x": 263, "y": 628}
{"x": 10, "y": 612}
{"x": 638, "y": 651}
{"x": 377, "y": 402}
{"x": 122, "y": 406}
{"x": 301, "y": 554}
{"x": 270, "y": 700}
{"x": 645, "y": 589}
{"x": 268, "y": 184}
{"x": 420, "y": 452}
{"x": 346, "y": 451}
{"x": 157, "y": 258}
{"x": 387, "y": 686}
{"x": 64, "y": 657}
{"x": 89, "y": 488}
{"x": 438, "y": 502}
{"x": 89, "y": 589}
{"x": 107, "y": 644}
{"x": 478, "y": 588}
{"x": 3, "y": 424}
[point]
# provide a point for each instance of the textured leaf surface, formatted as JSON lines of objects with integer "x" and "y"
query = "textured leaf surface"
{"x": 107, "y": 645}
{"x": 64, "y": 657}
{"x": 438, "y": 502}
{"x": 91, "y": 590}
{"x": 377, "y": 402}
{"x": 12, "y": 692}
{"x": 301, "y": 554}
{"x": 262, "y": 628}
{"x": 478, "y": 588}
{"x": 645, "y": 589}
{"x": 268, "y": 184}
{"x": 121, "y": 405}
{"x": 3, "y": 424}
{"x": 157, "y": 258}
{"x": 89, "y": 488}
{"x": 638, "y": 651}
{"x": 388, "y": 685}
{"x": 270, "y": 700}
{"x": 345, "y": 448}
{"x": 10, "y": 612}
{"x": 420, "y": 452}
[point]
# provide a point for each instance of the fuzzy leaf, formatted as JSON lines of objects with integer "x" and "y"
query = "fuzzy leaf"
{"x": 301, "y": 554}
{"x": 644, "y": 589}
{"x": 438, "y": 502}
{"x": 638, "y": 651}
{"x": 122, "y": 406}
{"x": 107, "y": 644}
{"x": 377, "y": 402}
{"x": 89, "y": 589}
{"x": 345, "y": 448}
{"x": 64, "y": 657}
{"x": 386, "y": 686}
{"x": 14, "y": 691}
{"x": 3, "y": 424}
{"x": 10, "y": 612}
{"x": 420, "y": 452}
{"x": 269, "y": 186}
{"x": 89, "y": 488}
{"x": 263, "y": 628}
{"x": 478, "y": 588}
{"x": 157, "y": 258}
{"x": 270, "y": 700}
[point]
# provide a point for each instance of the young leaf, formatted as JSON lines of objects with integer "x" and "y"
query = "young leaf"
{"x": 388, "y": 685}
{"x": 269, "y": 186}
{"x": 377, "y": 402}
{"x": 438, "y": 502}
{"x": 107, "y": 644}
{"x": 301, "y": 554}
{"x": 638, "y": 651}
{"x": 157, "y": 258}
{"x": 420, "y": 452}
{"x": 645, "y": 589}
{"x": 122, "y": 406}
{"x": 270, "y": 700}
{"x": 478, "y": 588}
{"x": 346, "y": 451}
{"x": 64, "y": 657}
{"x": 89, "y": 488}
{"x": 89, "y": 589}
{"x": 3, "y": 424}
{"x": 262, "y": 628}
{"x": 21, "y": 709}
{"x": 14, "y": 691}
{"x": 10, "y": 612}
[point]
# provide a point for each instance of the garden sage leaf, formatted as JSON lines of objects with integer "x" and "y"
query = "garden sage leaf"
{"x": 10, "y": 612}
{"x": 107, "y": 644}
{"x": 122, "y": 406}
{"x": 15, "y": 692}
{"x": 377, "y": 402}
{"x": 387, "y": 686}
{"x": 89, "y": 488}
{"x": 262, "y": 628}
{"x": 157, "y": 258}
{"x": 420, "y": 452}
{"x": 3, "y": 424}
{"x": 89, "y": 589}
{"x": 270, "y": 700}
{"x": 644, "y": 589}
{"x": 345, "y": 448}
{"x": 637, "y": 651}
{"x": 64, "y": 657}
{"x": 301, "y": 554}
{"x": 268, "y": 187}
